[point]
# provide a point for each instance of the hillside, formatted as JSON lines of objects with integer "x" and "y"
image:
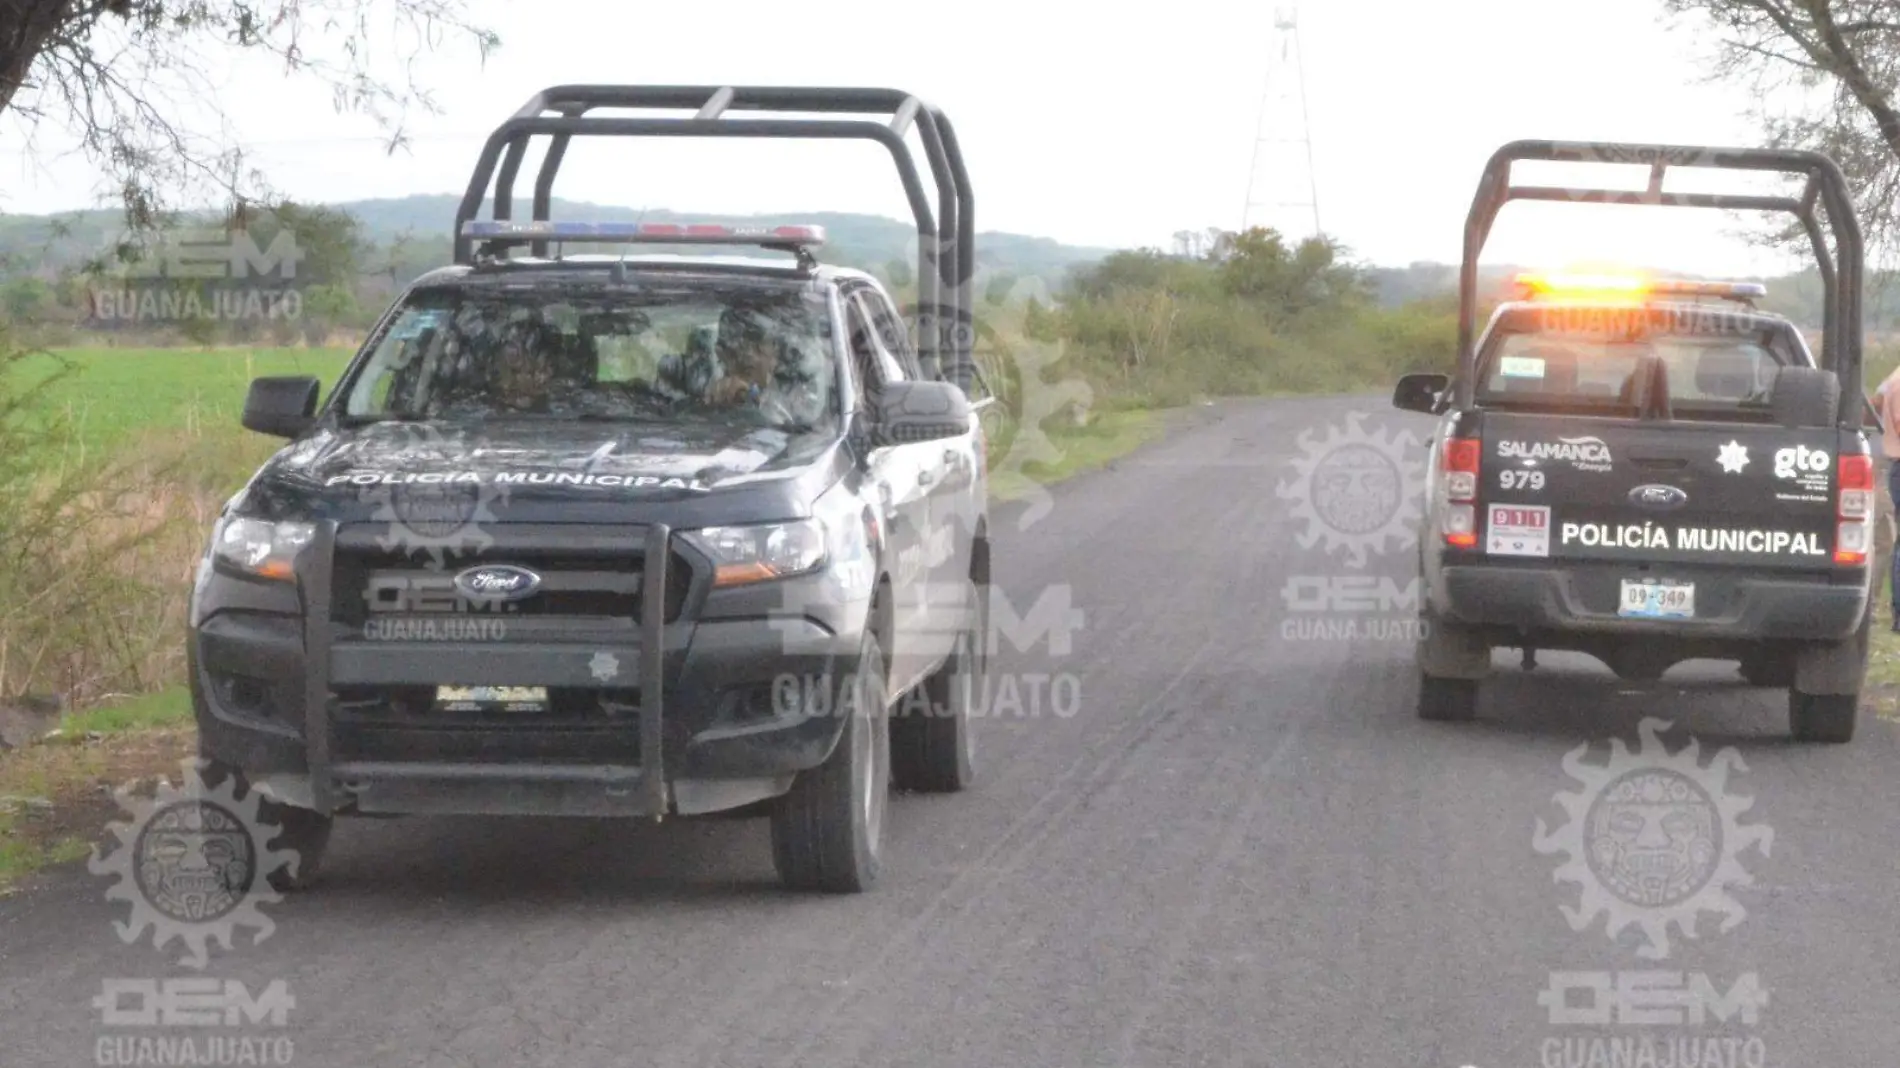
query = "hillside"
{"x": 411, "y": 235}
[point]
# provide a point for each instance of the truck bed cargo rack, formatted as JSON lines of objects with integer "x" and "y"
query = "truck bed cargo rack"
{"x": 1840, "y": 264}
{"x": 946, "y": 247}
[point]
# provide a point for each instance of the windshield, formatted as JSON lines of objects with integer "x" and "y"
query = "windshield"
{"x": 1715, "y": 373}
{"x": 746, "y": 352}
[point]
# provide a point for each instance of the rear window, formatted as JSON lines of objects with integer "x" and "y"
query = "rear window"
{"x": 1717, "y": 374}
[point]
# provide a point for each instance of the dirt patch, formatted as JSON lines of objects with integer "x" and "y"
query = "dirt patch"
{"x": 56, "y": 798}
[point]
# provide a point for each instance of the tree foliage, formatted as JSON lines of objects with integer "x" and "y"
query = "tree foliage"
{"x": 130, "y": 79}
{"x": 1237, "y": 313}
{"x": 1840, "y": 59}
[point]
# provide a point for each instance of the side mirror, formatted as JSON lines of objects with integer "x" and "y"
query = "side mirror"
{"x": 1419, "y": 392}
{"x": 906, "y": 412}
{"x": 282, "y": 406}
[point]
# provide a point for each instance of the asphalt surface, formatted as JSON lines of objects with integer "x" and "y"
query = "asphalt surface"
{"x": 1239, "y": 850}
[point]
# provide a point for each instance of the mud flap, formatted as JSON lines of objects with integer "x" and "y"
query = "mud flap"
{"x": 1449, "y": 651}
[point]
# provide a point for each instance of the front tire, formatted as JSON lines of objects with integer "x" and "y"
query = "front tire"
{"x": 827, "y": 832}
{"x": 300, "y": 830}
{"x": 933, "y": 748}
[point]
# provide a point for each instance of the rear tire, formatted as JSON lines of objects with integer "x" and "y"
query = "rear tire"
{"x": 1830, "y": 718}
{"x": 827, "y": 831}
{"x": 933, "y": 738}
{"x": 1447, "y": 700}
{"x": 1447, "y": 647}
{"x": 1825, "y": 718}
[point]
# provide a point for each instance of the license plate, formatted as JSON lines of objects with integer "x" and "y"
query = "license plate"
{"x": 1657, "y": 599}
{"x": 491, "y": 698}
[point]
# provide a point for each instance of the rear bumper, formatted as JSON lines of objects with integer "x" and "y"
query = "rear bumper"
{"x": 677, "y": 718}
{"x": 1583, "y": 600}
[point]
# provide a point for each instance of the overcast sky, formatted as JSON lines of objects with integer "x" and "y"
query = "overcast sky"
{"x": 1078, "y": 124}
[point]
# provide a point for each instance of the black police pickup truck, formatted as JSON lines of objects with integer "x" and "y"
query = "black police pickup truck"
{"x": 618, "y": 535}
{"x": 1651, "y": 471}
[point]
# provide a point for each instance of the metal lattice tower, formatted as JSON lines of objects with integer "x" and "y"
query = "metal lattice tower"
{"x": 1281, "y": 182}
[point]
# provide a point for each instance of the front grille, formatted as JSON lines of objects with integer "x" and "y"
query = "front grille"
{"x": 587, "y": 584}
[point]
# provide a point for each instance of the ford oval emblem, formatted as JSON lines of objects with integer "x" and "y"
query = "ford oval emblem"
{"x": 497, "y": 583}
{"x": 1658, "y": 497}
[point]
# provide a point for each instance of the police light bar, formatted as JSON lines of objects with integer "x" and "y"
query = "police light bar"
{"x": 1737, "y": 290}
{"x": 650, "y": 233}
{"x": 1629, "y": 286}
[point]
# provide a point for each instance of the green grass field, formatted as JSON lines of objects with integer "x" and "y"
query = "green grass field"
{"x": 108, "y": 393}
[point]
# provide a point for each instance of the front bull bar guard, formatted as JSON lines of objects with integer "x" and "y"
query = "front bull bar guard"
{"x": 315, "y": 578}
{"x": 1841, "y": 273}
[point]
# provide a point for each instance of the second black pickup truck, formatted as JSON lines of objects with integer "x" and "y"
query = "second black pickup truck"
{"x": 1652, "y": 470}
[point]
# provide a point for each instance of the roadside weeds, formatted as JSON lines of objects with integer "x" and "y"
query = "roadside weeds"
{"x": 56, "y": 795}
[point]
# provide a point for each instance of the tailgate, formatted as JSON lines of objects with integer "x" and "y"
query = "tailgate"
{"x": 1581, "y": 489}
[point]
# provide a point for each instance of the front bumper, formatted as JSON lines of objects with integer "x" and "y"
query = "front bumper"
{"x": 1583, "y": 600}
{"x": 676, "y": 716}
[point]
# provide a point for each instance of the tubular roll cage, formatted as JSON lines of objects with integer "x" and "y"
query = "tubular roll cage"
{"x": 946, "y": 245}
{"x": 1840, "y": 266}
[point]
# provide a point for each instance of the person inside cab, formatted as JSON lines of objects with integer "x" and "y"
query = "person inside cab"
{"x": 748, "y": 354}
{"x": 523, "y": 368}
{"x": 764, "y": 370}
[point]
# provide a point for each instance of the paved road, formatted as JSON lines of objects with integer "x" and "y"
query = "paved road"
{"x": 1240, "y": 850}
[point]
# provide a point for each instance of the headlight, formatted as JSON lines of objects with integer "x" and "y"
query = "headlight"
{"x": 757, "y": 553}
{"x": 260, "y": 547}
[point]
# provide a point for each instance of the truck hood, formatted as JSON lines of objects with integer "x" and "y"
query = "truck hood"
{"x": 538, "y": 470}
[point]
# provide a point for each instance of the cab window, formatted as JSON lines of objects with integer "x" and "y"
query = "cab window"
{"x": 868, "y": 341}
{"x": 1722, "y": 374}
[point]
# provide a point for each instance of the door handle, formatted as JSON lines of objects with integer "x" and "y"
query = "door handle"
{"x": 949, "y": 456}
{"x": 925, "y": 478}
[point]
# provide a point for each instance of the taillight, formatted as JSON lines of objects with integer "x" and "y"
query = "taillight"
{"x": 1460, "y": 522}
{"x": 1854, "y": 529}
